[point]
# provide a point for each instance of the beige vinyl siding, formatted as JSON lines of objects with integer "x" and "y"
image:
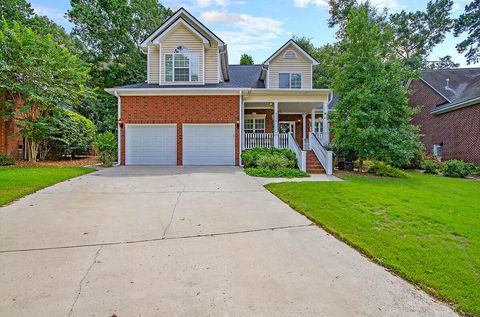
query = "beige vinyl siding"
{"x": 211, "y": 64}
{"x": 300, "y": 64}
{"x": 153, "y": 61}
{"x": 181, "y": 36}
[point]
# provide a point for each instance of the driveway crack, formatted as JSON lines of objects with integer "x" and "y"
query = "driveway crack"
{"x": 80, "y": 285}
{"x": 174, "y": 207}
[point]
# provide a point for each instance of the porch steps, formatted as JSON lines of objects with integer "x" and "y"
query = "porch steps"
{"x": 313, "y": 164}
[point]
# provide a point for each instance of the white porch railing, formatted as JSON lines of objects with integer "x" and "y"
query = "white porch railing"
{"x": 325, "y": 157}
{"x": 257, "y": 140}
{"x": 322, "y": 137}
{"x": 301, "y": 155}
{"x": 252, "y": 140}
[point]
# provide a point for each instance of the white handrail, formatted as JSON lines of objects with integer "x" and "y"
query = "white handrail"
{"x": 301, "y": 155}
{"x": 258, "y": 140}
{"x": 283, "y": 140}
{"x": 325, "y": 157}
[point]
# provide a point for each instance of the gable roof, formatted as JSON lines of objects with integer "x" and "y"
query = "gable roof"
{"x": 463, "y": 84}
{"x": 172, "y": 26}
{"x": 178, "y": 14}
{"x": 292, "y": 42}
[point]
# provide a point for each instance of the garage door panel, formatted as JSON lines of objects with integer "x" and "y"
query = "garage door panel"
{"x": 212, "y": 144}
{"x": 151, "y": 144}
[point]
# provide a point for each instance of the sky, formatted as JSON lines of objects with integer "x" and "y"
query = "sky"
{"x": 260, "y": 27}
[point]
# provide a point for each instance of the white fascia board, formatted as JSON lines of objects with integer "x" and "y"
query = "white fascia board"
{"x": 205, "y": 41}
{"x": 173, "y": 91}
{"x": 456, "y": 106}
{"x": 173, "y": 18}
{"x": 314, "y": 62}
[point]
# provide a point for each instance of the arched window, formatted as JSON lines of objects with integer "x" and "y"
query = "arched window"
{"x": 290, "y": 54}
{"x": 181, "y": 65}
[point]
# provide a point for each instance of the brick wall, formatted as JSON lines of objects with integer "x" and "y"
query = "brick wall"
{"x": 8, "y": 144}
{"x": 459, "y": 130}
{"x": 179, "y": 110}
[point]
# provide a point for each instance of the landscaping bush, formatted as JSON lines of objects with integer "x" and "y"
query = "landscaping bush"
{"x": 273, "y": 161}
{"x": 6, "y": 159}
{"x": 431, "y": 166}
{"x": 106, "y": 146}
{"x": 457, "y": 168}
{"x": 252, "y": 157}
{"x": 280, "y": 172}
{"x": 384, "y": 169}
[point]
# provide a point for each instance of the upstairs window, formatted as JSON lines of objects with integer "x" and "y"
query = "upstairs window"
{"x": 290, "y": 55}
{"x": 182, "y": 66}
{"x": 290, "y": 80}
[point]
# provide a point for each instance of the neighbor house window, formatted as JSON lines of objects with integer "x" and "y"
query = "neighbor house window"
{"x": 437, "y": 151}
{"x": 290, "y": 80}
{"x": 181, "y": 65}
{"x": 254, "y": 124}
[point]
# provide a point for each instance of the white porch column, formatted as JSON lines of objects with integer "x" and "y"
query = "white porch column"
{"x": 304, "y": 126}
{"x": 275, "y": 124}
{"x": 326, "y": 130}
{"x": 312, "y": 121}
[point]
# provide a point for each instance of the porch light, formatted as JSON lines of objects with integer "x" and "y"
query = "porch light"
{"x": 120, "y": 123}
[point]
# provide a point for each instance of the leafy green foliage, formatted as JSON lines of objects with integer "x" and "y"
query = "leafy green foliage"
{"x": 251, "y": 157}
{"x": 246, "y": 59}
{"x": 443, "y": 63}
{"x": 6, "y": 159}
{"x": 457, "y": 168}
{"x": 372, "y": 117}
{"x": 273, "y": 161}
{"x": 468, "y": 23}
{"x": 61, "y": 74}
{"x": 112, "y": 31}
{"x": 106, "y": 146}
{"x": 16, "y": 10}
{"x": 21, "y": 181}
{"x": 284, "y": 172}
{"x": 431, "y": 166}
{"x": 425, "y": 228}
{"x": 384, "y": 169}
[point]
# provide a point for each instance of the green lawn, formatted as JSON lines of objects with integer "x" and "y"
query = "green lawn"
{"x": 426, "y": 228}
{"x": 17, "y": 182}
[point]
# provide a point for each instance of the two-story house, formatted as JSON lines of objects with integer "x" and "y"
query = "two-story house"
{"x": 196, "y": 109}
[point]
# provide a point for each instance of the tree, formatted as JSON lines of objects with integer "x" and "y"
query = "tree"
{"x": 443, "y": 62}
{"x": 36, "y": 76}
{"x": 415, "y": 33}
{"x": 16, "y": 10}
{"x": 372, "y": 117}
{"x": 469, "y": 22}
{"x": 246, "y": 59}
{"x": 112, "y": 31}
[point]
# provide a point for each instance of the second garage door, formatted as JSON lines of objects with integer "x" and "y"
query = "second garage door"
{"x": 209, "y": 144}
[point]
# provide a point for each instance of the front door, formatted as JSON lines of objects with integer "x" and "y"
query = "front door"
{"x": 286, "y": 127}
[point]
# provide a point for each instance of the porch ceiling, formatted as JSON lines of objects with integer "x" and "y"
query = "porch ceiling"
{"x": 287, "y": 107}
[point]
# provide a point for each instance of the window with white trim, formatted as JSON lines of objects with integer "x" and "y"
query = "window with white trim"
{"x": 254, "y": 124}
{"x": 290, "y": 54}
{"x": 182, "y": 65}
{"x": 290, "y": 80}
{"x": 437, "y": 151}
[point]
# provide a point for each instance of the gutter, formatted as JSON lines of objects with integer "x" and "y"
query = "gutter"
{"x": 456, "y": 106}
{"x": 203, "y": 91}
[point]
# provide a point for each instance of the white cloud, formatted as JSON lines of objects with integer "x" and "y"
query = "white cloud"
{"x": 55, "y": 15}
{"x": 208, "y": 3}
{"x": 389, "y": 4}
{"x": 304, "y": 3}
{"x": 245, "y": 33}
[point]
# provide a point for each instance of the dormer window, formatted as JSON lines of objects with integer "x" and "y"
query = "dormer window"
{"x": 182, "y": 65}
{"x": 290, "y": 80}
{"x": 290, "y": 54}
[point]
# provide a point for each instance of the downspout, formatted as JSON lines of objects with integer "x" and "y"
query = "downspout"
{"x": 119, "y": 132}
{"x": 224, "y": 62}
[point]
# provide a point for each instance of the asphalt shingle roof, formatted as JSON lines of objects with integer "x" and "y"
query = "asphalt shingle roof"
{"x": 464, "y": 83}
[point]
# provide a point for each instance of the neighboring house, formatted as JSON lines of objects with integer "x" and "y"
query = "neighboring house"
{"x": 196, "y": 109}
{"x": 450, "y": 112}
{"x": 10, "y": 144}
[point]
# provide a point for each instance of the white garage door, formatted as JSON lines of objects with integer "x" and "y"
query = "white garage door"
{"x": 208, "y": 144}
{"x": 151, "y": 144}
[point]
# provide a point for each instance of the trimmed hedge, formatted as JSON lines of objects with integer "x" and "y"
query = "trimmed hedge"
{"x": 254, "y": 158}
{"x": 384, "y": 169}
{"x": 6, "y": 159}
{"x": 457, "y": 168}
{"x": 279, "y": 172}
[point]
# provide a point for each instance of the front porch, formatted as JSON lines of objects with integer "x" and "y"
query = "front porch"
{"x": 299, "y": 123}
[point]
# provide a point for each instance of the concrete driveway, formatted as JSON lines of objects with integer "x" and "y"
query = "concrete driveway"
{"x": 158, "y": 241}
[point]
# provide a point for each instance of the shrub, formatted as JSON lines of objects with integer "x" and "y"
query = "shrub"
{"x": 106, "y": 146}
{"x": 280, "y": 172}
{"x": 6, "y": 159}
{"x": 272, "y": 161}
{"x": 384, "y": 169}
{"x": 430, "y": 167}
{"x": 252, "y": 157}
{"x": 457, "y": 168}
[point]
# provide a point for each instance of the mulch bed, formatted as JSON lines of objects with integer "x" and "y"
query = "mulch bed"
{"x": 81, "y": 161}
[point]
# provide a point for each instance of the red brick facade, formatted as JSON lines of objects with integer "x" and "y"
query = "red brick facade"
{"x": 458, "y": 130}
{"x": 179, "y": 110}
{"x": 9, "y": 144}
